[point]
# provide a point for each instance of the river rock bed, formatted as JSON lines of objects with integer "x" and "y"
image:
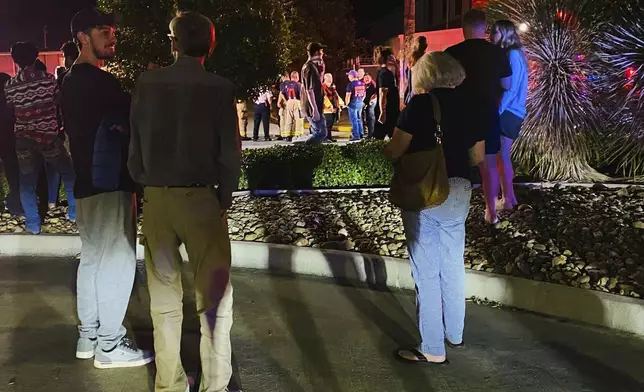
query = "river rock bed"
{"x": 591, "y": 238}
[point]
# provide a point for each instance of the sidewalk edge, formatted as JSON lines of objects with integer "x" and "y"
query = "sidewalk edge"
{"x": 588, "y": 306}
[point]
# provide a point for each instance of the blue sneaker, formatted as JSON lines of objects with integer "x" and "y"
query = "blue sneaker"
{"x": 85, "y": 348}
{"x": 124, "y": 355}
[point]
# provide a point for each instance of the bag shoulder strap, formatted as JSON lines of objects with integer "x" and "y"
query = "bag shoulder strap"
{"x": 437, "y": 109}
{"x": 437, "y": 117}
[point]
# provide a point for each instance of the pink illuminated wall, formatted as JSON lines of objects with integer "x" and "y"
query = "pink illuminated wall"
{"x": 437, "y": 40}
{"x": 51, "y": 60}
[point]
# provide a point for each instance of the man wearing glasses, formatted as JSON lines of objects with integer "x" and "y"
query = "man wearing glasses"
{"x": 96, "y": 111}
{"x": 185, "y": 151}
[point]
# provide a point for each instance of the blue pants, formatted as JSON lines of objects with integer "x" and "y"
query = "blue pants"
{"x": 30, "y": 160}
{"x": 318, "y": 130}
{"x": 262, "y": 116}
{"x": 355, "y": 116}
{"x": 53, "y": 183}
{"x": 436, "y": 243}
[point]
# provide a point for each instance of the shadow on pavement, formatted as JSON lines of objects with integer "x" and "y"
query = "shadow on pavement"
{"x": 300, "y": 321}
{"x": 140, "y": 321}
{"x": 304, "y": 330}
{"x": 601, "y": 371}
{"x": 393, "y": 334}
{"x": 598, "y": 374}
{"x": 42, "y": 338}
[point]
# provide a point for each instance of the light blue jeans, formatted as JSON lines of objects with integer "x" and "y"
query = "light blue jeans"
{"x": 355, "y": 116}
{"x": 436, "y": 243}
{"x": 107, "y": 228}
{"x": 318, "y": 130}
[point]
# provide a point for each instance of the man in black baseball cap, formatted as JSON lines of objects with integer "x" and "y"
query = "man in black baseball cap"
{"x": 95, "y": 29}
{"x": 314, "y": 47}
{"x": 96, "y": 115}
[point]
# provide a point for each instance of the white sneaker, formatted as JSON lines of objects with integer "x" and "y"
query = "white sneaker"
{"x": 300, "y": 139}
{"x": 124, "y": 355}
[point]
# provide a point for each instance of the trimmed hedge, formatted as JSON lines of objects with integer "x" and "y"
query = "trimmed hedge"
{"x": 316, "y": 166}
{"x": 309, "y": 166}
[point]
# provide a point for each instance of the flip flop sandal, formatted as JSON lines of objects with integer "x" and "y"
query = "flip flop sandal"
{"x": 420, "y": 358}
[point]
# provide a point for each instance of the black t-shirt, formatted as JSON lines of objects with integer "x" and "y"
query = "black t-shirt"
{"x": 485, "y": 65}
{"x": 90, "y": 95}
{"x": 312, "y": 80}
{"x": 61, "y": 77}
{"x": 371, "y": 91}
{"x": 417, "y": 119}
{"x": 387, "y": 79}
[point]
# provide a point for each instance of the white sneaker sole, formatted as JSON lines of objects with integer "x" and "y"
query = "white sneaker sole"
{"x": 118, "y": 365}
{"x": 84, "y": 354}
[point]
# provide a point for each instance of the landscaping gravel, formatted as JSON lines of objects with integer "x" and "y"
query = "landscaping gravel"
{"x": 591, "y": 238}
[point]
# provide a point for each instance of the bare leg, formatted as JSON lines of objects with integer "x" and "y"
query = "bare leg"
{"x": 490, "y": 177}
{"x": 506, "y": 172}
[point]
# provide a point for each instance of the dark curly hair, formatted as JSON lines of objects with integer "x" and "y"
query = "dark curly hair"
{"x": 381, "y": 54}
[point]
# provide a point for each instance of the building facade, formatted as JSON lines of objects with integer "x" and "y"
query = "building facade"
{"x": 431, "y": 15}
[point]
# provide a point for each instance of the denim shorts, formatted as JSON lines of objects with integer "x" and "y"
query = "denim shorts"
{"x": 510, "y": 125}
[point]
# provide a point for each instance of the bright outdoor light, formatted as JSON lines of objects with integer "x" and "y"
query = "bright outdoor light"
{"x": 523, "y": 27}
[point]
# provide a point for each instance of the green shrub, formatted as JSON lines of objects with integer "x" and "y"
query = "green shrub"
{"x": 316, "y": 166}
{"x": 312, "y": 166}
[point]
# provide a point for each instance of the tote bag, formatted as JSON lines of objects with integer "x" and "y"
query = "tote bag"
{"x": 420, "y": 179}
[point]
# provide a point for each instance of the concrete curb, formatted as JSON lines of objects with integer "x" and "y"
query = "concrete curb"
{"x": 531, "y": 185}
{"x": 588, "y": 306}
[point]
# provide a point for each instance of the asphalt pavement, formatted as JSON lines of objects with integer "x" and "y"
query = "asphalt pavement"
{"x": 302, "y": 334}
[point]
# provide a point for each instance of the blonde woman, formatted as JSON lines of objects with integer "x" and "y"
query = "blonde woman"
{"x": 436, "y": 236}
{"x": 513, "y": 105}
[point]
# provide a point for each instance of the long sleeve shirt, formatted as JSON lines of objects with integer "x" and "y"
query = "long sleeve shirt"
{"x": 31, "y": 94}
{"x": 184, "y": 130}
{"x": 91, "y": 97}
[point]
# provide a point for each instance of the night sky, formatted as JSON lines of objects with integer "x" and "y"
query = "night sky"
{"x": 23, "y": 20}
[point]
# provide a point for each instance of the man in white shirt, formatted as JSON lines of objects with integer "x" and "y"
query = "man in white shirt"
{"x": 263, "y": 114}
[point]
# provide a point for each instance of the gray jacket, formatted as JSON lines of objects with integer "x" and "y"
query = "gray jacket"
{"x": 184, "y": 130}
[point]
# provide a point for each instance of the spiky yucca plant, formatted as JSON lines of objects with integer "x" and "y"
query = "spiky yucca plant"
{"x": 621, "y": 50}
{"x": 559, "y": 138}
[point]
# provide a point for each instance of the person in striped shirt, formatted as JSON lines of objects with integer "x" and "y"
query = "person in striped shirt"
{"x": 31, "y": 98}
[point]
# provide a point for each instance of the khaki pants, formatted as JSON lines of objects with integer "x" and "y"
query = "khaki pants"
{"x": 293, "y": 122}
{"x": 281, "y": 113}
{"x": 190, "y": 216}
{"x": 242, "y": 111}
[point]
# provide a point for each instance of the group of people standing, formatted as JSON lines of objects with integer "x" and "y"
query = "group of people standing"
{"x": 175, "y": 138}
{"x": 360, "y": 101}
{"x": 465, "y": 107}
{"x": 32, "y": 141}
{"x": 469, "y": 101}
